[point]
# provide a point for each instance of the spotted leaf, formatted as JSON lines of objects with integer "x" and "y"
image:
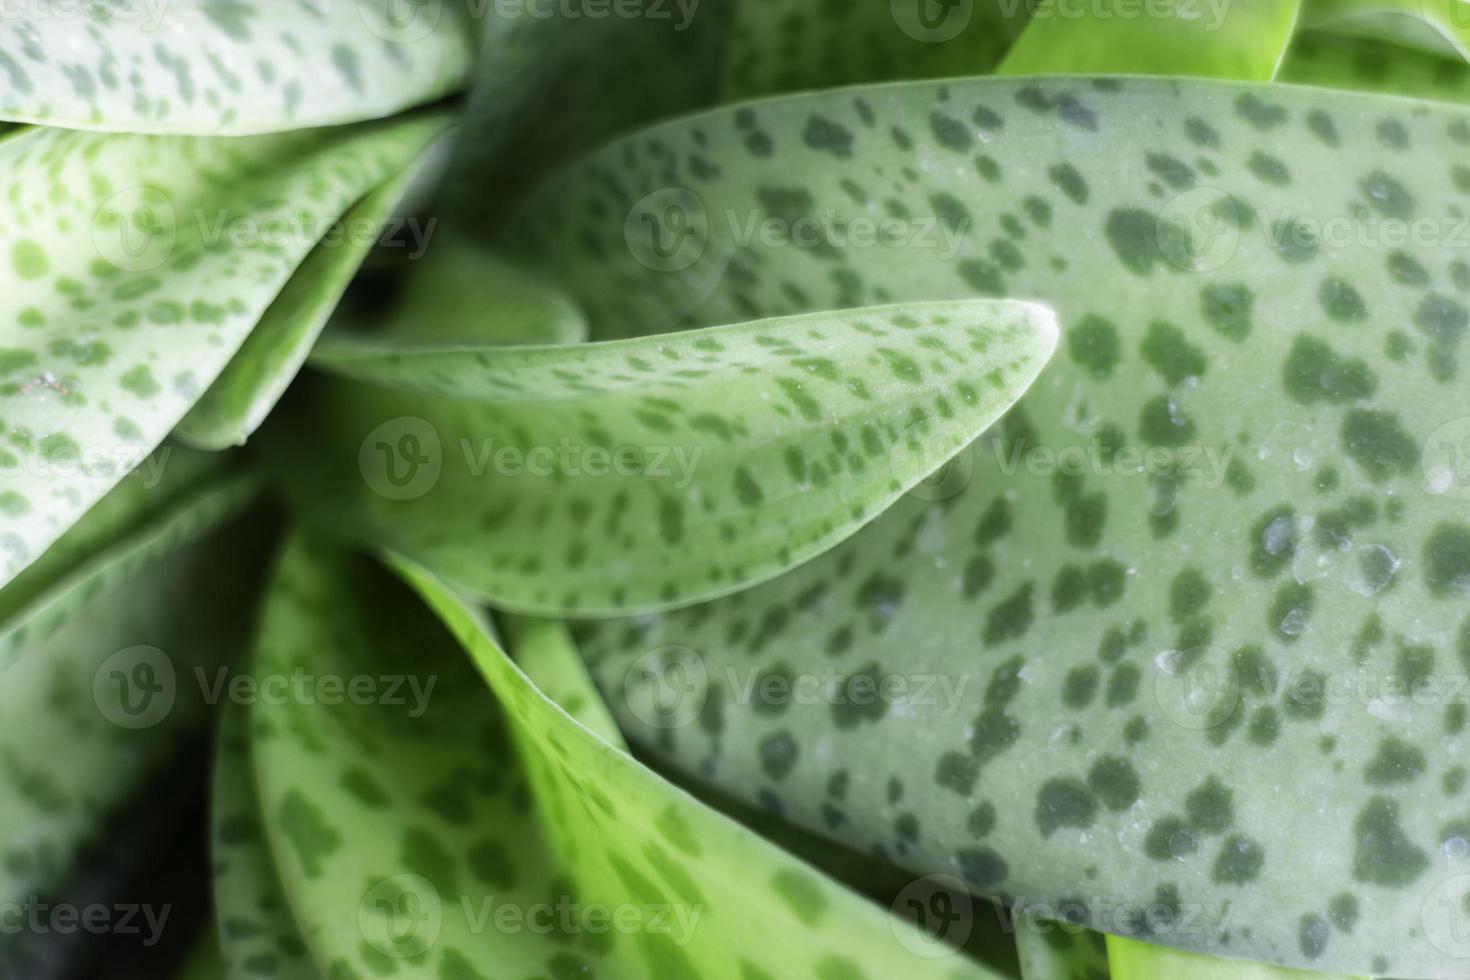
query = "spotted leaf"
{"x": 227, "y": 67}
{"x": 1321, "y": 58}
{"x": 235, "y": 405}
{"x": 452, "y": 833}
{"x": 137, "y": 266}
{"x": 691, "y": 465}
{"x": 96, "y": 662}
{"x": 1245, "y": 463}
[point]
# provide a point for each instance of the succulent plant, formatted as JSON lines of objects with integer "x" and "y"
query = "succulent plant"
{"x": 635, "y": 488}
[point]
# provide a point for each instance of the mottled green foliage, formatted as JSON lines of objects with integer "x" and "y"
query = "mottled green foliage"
{"x": 83, "y": 726}
{"x": 398, "y": 828}
{"x": 1320, "y": 58}
{"x": 1281, "y": 389}
{"x": 690, "y": 465}
{"x": 227, "y": 67}
{"x": 136, "y": 267}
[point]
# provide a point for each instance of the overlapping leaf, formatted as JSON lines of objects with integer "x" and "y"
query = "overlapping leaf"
{"x": 1320, "y": 58}
{"x": 137, "y": 267}
{"x": 788, "y": 45}
{"x": 1216, "y": 39}
{"x": 227, "y": 67}
{"x": 690, "y": 465}
{"x": 1440, "y": 27}
{"x": 416, "y": 838}
{"x": 1244, "y": 466}
{"x": 95, "y": 664}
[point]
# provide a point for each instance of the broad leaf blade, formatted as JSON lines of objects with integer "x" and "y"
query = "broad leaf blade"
{"x": 1299, "y": 397}
{"x": 1177, "y": 37}
{"x": 227, "y": 67}
{"x": 693, "y": 464}
{"x": 1320, "y": 58}
{"x": 1438, "y": 27}
{"x": 131, "y": 288}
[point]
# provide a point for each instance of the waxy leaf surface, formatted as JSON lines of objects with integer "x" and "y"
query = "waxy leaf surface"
{"x": 691, "y": 464}
{"x": 1245, "y": 464}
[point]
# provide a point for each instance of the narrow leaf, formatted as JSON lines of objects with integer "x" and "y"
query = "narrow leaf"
{"x": 692, "y": 464}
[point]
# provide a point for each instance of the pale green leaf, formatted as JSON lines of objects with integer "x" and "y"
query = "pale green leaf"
{"x": 232, "y": 408}
{"x": 227, "y": 67}
{"x": 692, "y": 464}
{"x": 1211, "y": 38}
{"x": 405, "y": 834}
{"x": 96, "y": 674}
{"x": 1051, "y": 950}
{"x": 1301, "y": 517}
{"x": 137, "y": 267}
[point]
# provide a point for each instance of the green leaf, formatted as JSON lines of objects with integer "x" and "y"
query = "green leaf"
{"x": 1216, "y": 39}
{"x": 1289, "y": 511}
{"x": 1439, "y": 27}
{"x": 256, "y": 925}
{"x": 1319, "y": 58}
{"x": 137, "y": 267}
{"x": 227, "y": 67}
{"x": 1133, "y": 960}
{"x": 434, "y": 834}
{"x": 692, "y": 464}
{"x": 457, "y": 297}
{"x": 232, "y": 408}
{"x": 95, "y": 667}
{"x": 788, "y": 45}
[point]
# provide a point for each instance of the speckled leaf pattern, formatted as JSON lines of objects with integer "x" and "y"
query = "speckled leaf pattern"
{"x": 457, "y": 296}
{"x": 1210, "y": 38}
{"x": 1321, "y": 58}
{"x": 780, "y": 46}
{"x": 75, "y": 745}
{"x": 1302, "y": 520}
{"x": 443, "y": 835}
{"x": 760, "y": 913}
{"x": 1050, "y": 950}
{"x": 135, "y": 268}
{"x": 257, "y": 932}
{"x": 692, "y": 464}
{"x": 227, "y": 67}
{"x": 232, "y": 408}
